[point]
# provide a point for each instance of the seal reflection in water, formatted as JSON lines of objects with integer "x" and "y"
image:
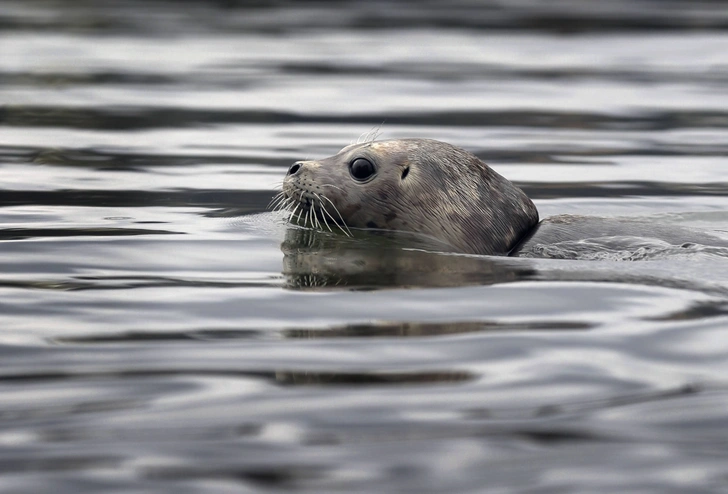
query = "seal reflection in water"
{"x": 445, "y": 193}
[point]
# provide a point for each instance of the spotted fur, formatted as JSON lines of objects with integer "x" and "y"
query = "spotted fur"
{"x": 446, "y": 193}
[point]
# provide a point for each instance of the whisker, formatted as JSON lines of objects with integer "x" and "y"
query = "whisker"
{"x": 326, "y": 212}
{"x": 313, "y": 216}
{"x": 276, "y": 199}
{"x": 378, "y": 131}
{"x": 371, "y": 135}
{"x": 323, "y": 220}
{"x": 290, "y": 210}
{"x": 304, "y": 213}
{"x": 321, "y": 208}
{"x": 300, "y": 201}
{"x": 287, "y": 205}
{"x": 334, "y": 186}
{"x": 298, "y": 218}
{"x": 323, "y": 216}
{"x": 347, "y": 232}
{"x": 282, "y": 203}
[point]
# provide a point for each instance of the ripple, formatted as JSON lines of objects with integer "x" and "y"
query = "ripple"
{"x": 157, "y": 335}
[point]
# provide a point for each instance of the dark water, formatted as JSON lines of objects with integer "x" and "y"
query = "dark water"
{"x": 158, "y": 335}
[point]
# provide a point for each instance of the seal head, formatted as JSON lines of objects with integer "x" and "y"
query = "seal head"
{"x": 413, "y": 185}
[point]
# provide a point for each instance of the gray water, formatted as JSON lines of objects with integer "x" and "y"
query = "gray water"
{"x": 160, "y": 332}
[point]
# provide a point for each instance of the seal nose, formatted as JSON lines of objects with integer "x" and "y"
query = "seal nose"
{"x": 294, "y": 168}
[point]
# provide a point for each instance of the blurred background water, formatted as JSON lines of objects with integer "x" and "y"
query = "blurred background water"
{"x": 158, "y": 334}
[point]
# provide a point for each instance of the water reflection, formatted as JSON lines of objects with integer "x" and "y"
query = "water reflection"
{"x": 315, "y": 260}
{"x": 381, "y": 378}
{"x": 374, "y": 330}
{"x": 320, "y": 261}
{"x": 423, "y": 329}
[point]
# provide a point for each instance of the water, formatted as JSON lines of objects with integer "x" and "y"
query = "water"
{"x": 162, "y": 333}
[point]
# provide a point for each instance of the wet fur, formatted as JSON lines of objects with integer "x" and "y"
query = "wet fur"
{"x": 448, "y": 194}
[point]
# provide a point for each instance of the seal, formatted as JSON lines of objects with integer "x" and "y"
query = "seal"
{"x": 412, "y": 185}
{"x": 445, "y": 193}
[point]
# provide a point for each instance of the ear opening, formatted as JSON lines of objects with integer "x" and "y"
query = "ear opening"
{"x": 405, "y": 172}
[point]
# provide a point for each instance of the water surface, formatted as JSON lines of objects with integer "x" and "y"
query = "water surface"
{"x": 162, "y": 333}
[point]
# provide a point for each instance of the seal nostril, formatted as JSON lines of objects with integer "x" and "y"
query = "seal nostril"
{"x": 294, "y": 168}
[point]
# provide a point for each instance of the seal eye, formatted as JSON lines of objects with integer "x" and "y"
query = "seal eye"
{"x": 361, "y": 169}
